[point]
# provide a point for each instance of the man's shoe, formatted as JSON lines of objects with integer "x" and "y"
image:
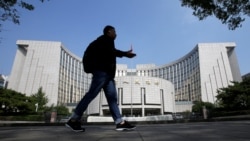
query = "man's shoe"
{"x": 125, "y": 126}
{"x": 75, "y": 126}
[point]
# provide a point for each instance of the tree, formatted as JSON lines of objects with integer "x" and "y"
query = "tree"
{"x": 198, "y": 107}
{"x": 40, "y": 100}
{"x": 12, "y": 102}
{"x": 60, "y": 109}
{"x": 231, "y": 12}
{"x": 235, "y": 96}
{"x": 8, "y": 10}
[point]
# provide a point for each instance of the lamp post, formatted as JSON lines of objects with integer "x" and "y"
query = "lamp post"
{"x": 36, "y": 106}
{"x": 3, "y": 107}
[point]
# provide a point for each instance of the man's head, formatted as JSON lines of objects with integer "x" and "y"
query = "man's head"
{"x": 109, "y": 31}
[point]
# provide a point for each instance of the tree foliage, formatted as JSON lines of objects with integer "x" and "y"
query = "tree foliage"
{"x": 197, "y": 109}
{"x": 236, "y": 96}
{"x": 198, "y": 106}
{"x": 230, "y": 12}
{"x": 8, "y": 10}
{"x": 12, "y": 101}
{"x": 15, "y": 103}
{"x": 60, "y": 109}
{"x": 40, "y": 99}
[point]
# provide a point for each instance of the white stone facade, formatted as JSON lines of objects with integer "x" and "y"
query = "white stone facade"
{"x": 147, "y": 89}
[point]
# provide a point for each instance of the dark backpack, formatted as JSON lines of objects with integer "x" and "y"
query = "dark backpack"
{"x": 87, "y": 59}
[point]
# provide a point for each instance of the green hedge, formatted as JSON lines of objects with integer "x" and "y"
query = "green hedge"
{"x": 218, "y": 113}
{"x": 23, "y": 118}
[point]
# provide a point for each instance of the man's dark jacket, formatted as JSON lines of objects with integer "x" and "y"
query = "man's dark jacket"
{"x": 102, "y": 55}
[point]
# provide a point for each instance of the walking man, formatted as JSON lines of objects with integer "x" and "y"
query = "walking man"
{"x": 100, "y": 60}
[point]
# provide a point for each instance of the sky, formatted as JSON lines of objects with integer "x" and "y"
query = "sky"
{"x": 160, "y": 31}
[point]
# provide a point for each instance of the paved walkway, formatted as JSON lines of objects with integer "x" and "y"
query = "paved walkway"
{"x": 196, "y": 131}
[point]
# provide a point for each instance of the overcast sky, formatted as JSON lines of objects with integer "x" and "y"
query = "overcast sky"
{"x": 160, "y": 31}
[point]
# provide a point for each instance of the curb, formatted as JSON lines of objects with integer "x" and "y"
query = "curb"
{"x": 13, "y": 124}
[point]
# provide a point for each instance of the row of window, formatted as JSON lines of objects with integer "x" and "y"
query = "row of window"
{"x": 182, "y": 74}
{"x": 72, "y": 79}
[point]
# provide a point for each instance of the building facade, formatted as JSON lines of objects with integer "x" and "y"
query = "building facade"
{"x": 197, "y": 75}
{"x": 147, "y": 89}
{"x": 51, "y": 66}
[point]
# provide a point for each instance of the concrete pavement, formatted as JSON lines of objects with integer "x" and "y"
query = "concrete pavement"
{"x": 191, "y": 131}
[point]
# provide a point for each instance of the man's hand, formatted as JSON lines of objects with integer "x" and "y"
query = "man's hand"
{"x": 130, "y": 54}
